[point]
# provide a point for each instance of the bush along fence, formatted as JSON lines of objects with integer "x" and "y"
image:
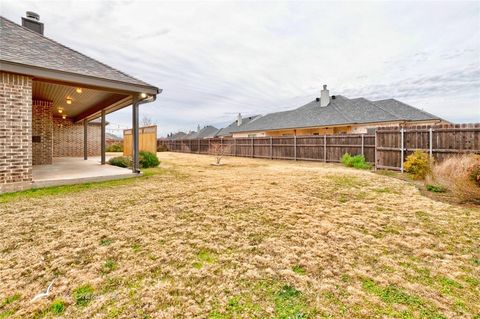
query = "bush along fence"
{"x": 387, "y": 149}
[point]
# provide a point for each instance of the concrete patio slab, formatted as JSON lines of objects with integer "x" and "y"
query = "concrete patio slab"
{"x": 74, "y": 170}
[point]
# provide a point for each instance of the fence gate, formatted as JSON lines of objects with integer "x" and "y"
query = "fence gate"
{"x": 147, "y": 140}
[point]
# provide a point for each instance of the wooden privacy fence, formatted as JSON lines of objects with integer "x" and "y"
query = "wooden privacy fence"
{"x": 147, "y": 137}
{"x": 387, "y": 149}
{"x": 326, "y": 148}
{"x": 394, "y": 144}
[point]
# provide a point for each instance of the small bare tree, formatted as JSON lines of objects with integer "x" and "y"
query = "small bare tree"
{"x": 219, "y": 150}
{"x": 146, "y": 121}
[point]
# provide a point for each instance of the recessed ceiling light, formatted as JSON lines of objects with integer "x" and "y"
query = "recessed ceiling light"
{"x": 69, "y": 101}
{"x": 79, "y": 90}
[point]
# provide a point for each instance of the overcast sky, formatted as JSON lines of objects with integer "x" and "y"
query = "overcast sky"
{"x": 216, "y": 59}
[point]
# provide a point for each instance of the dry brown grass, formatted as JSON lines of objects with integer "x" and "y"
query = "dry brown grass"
{"x": 252, "y": 238}
{"x": 455, "y": 173}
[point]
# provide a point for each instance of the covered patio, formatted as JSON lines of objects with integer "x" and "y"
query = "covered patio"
{"x": 56, "y": 102}
{"x": 74, "y": 170}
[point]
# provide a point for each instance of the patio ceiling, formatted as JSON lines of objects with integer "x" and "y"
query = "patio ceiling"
{"x": 84, "y": 105}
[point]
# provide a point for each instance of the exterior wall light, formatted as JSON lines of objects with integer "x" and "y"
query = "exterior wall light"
{"x": 64, "y": 117}
{"x": 60, "y": 110}
{"x": 69, "y": 101}
{"x": 143, "y": 95}
{"x": 79, "y": 90}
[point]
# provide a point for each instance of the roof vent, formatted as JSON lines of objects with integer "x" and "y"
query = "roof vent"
{"x": 32, "y": 22}
{"x": 333, "y": 97}
{"x": 317, "y": 99}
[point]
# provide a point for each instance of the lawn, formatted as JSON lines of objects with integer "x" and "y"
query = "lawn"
{"x": 250, "y": 239}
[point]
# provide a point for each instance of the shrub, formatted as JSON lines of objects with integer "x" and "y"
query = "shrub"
{"x": 162, "y": 148}
{"x": 436, "y": 188}
{"x": 460, "y": 174}
{"x": 115, "y": 147}
{"x": 120, "y": 161}
{"x": 148, "y": 159}
{"x": 357, "y": 161}
{"x": 418, "y": 164}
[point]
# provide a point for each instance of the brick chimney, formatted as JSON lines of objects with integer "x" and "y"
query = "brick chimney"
{"x": 32, "y": 22}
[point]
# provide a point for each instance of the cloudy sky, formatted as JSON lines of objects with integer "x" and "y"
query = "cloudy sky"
{"x": 216, "y": 59}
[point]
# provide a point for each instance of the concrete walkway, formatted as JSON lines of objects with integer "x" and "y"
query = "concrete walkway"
{"x": 74, "y": 170}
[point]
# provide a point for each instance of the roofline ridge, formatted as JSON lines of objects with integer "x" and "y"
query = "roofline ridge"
{"x": 381, "y": 108}
{"x": 424, "y": 112}
{"x": 67, "y": 47}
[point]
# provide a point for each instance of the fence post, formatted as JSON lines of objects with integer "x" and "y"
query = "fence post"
{"x": 190, "y": 146}
{"x": 234, "y": 146}
{"x": 324, "y": 148}
{"x": 363, "y": 143}
{"x": 271, "y": 148}
{"x": 208, "y": 150}
{"x": 375, "y": 153}
{"x": 401, "y": 148}
{"x": 430, "y": 142}
{"x": 295, "y": 147}
{"x": 253, "y": 148}
{"x": 198, "y": 142}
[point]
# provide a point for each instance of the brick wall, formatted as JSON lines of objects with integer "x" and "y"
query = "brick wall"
{"x": 15, "y": 132}
{"x": 68, "y": 138}
{"x": 42, "y": 132}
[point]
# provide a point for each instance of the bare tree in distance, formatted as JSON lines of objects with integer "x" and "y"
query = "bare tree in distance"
{"x": 146, "y": 121}
{"x": 219, "y": 150}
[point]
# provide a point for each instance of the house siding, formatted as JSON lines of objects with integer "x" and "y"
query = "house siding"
{"x": 68, "y": 138}
{"x": 42, "y": 132}
{"x": 15, "y": 132}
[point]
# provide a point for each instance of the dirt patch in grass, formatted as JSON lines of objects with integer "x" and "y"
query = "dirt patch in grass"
{"x": 252, "y": 238}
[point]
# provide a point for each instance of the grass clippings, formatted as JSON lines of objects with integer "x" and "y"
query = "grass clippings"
{"x": 253, "y": 238}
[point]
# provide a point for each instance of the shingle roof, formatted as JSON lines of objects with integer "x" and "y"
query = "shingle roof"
{"x": 177, "y": 136}
{"x": 340, "y": 111}
{"x": 206, "y": 132}
{"x": 233, "y": 127}
{"x": 23, "y": 46}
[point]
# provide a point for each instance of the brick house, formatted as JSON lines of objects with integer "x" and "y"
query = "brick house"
{"x": 53, "y": 102}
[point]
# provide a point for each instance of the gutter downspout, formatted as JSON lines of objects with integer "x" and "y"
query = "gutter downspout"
{"x": 135, "y": 127}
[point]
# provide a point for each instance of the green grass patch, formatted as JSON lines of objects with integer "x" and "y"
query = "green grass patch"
{"x": 68, "y": 189}
{"x": 57, "y": 307}
{"x": 392, "y": 295}
{"x": 299, "y": 270}
{"x": 285, "y": 300}
{"x": 435, "y": 188}
{"x": 10, "y": 299}
{"x": 109, "y": 266}
{"x": 105, "y": 241}
{"x": 83, "y": 295}
{"x": 204, "y": 256}
{"x": 5, "y": 314}
{"x": 136, "y": 247}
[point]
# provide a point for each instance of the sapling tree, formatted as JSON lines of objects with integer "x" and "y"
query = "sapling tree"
{"x": 219, "y": 150}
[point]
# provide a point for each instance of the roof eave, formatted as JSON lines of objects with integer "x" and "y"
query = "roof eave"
{"x": 77, "y": 79}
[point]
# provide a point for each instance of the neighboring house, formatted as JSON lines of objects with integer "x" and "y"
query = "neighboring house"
{"x": 206, "y": 132}
{"x": 236, "y": 126}
{"x": 49, "y": 95}
{"x": 336, "y": 115}
{"x": 176, "y": 136}
{"x": 112, "y": 139}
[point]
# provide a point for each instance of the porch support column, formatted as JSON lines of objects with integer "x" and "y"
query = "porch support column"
{"x": 135, "y": 142}
{"x": 85, "y": 139}
{"x": 103, "y": 137}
